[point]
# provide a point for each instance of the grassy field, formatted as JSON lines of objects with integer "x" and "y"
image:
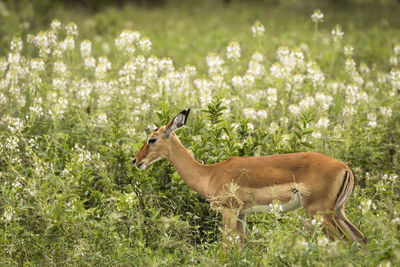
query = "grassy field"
{"x": 80, "y": 90}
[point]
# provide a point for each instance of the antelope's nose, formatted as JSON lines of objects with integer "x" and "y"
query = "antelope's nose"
{"x": 134, "y": 161}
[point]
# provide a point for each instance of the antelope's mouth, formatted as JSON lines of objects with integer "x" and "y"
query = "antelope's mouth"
{"x": 141, "y": 166}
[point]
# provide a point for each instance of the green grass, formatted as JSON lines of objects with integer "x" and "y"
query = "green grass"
{"x": 69, "y": 193}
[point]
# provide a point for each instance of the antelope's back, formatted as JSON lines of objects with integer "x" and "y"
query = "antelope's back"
{"x": 305, "y": 167}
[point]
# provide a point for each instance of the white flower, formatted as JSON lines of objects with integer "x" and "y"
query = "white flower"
{"x": 396, "y": 49}
{"x": 307, "y": 102}
{"x": 349, "y": 50}
{"x": 349, "y": 110}
{"x": 3, "y": 99}
{"x": 334, "y": 86}
{"x": 324, "y": 100}
{"x": 354, "y": 94}
{"x": 273, "y": 127}
{"x": 257, "y": 57}
{"x": 165, "y": 64}
{"x": 237, "y": 81}
{"x": 36, "y": 110}
{"x": 126, "y": 39}
{"x": 256, "y": 70}
{"x": 322, "y": 241}
{"x": 233, "y": 50}
{"x": 299, "y": 56}
{"x": 393, "y": 60}
{"x": 37, "y": 64}
{"x": 55, "y": 25}
{"x": 164, "y": 84}
{"x": 386, "y": 111}
{"x": 294, "y": 109}
{"x": 59, "y": 84}
{"x": 338, "y": 130}
{"x": 258, "y": 29}
{"x": 395, "y": 78}
{"x": 316, "y": 134}
{"x": 14, "y": 58}
{"x": 275, "y": 208}
{"x": 8, "y": 215}
{"x": 11, "y": 144}
{"x": 82, "y": 89}
{"x": 365, "y": 205}
{"x": 60, "y": 107}
{"x": 249, "y": 112}
{"x": 16, "y": 44}
{"x": 90, "y": 62}
{"x": 322, "y": 123}
{"x": 13, "y": 124}
{"x": 215, "y": 64}
{"x": 43, "y": 41}
{"x": 278, "y": 71}
{"x": 102, "y": 67}
{"x": 145, "y": 45}
{"x": 337, "y": 33}
{"x": 67, "y": 44}
{"x": 317, "y": 16}
{"x": 385, "y": 264}
{"x": 140, "y": 62}
{"x": 350, "y": 66}
{"x": 86, "y": 48}
{"x": 315, "y": 74}
{"x": 364, "y": 69}
{"x": 252, "y": 97}
{"x": 301, "y": 244}
{"x": 72, "y": 29}
{"x": 318, "y": 220}
{"x": 290, "y": 59}
{"x": 127, "y": 73}
{"x": 297, "y": 80}
{"x": 130, "y": 197}
{"x": 190, "y": 71}
{"x": 60, "y": 68}
{"x": 201, "y": 84}
{"x": 3, "y": 65}
{"x": 272, "y": 96}
{"x": 371, "y": 117}
{"x": 262, "y": 114}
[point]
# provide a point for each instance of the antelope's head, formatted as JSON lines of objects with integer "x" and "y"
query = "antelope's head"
{"x": 158, "y": 143}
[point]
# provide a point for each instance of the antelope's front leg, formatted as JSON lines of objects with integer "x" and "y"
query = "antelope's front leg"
{"x": 229, "y": 232}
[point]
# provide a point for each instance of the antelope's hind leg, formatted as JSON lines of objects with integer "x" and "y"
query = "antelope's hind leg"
{"x": 329, "y": 224}
{"x": 241, "y": 228}
{"x": 331, "y": 227}
{"x": 353, "y": 232}
{"x": 340, "y": 216}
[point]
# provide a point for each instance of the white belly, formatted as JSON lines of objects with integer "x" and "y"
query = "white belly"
{"x": 293, "y": 204}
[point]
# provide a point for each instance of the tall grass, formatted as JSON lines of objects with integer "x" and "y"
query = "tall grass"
{"x": 76, "y": 106}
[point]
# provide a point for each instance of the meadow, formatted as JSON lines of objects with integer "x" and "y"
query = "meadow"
{"x": 80, "y": 90}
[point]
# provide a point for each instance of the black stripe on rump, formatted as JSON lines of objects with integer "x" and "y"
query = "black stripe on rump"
{"x": 342, "y": 186}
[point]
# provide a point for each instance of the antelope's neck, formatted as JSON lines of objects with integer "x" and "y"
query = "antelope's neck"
{"x": 194, "y": 174}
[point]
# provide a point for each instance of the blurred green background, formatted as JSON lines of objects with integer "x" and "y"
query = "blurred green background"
{"x": 186, "y": 31}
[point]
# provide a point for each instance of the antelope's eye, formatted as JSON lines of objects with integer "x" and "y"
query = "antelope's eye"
{"x": 151, "y": 140}
{"x": 155, "y": 130}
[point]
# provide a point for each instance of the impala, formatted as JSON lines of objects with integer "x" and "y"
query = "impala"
{"x": 241, "y": 185}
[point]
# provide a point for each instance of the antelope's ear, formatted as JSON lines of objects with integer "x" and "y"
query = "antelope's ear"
{"x": 177, "y": 122}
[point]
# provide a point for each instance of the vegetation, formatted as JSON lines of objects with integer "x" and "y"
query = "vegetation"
{"x": 77, "y": 101}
